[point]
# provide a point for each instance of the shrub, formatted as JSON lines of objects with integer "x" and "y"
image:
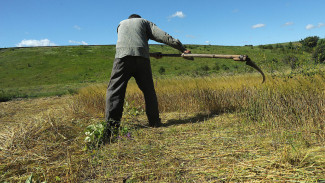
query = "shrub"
{"x": 205, "y": 68}
{"x": 216, "y": 67}
{"x": 290, "y": 46}
{"x": 261, "y": 46}
{"x": 269, "y": 47}
{"x": 162, "y": 70}
{"x": 279, "y": 46}
{"x": 309, "y": 42}
{"x": 319, "y": 53}
{"x": 291, "y": 60}
{"x": 225, "y": 67}
{"x": 321, "y": 41}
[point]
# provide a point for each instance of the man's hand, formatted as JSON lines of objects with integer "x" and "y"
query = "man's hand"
{"x": 156, "y": 55}
{"x": 187, "y": 51}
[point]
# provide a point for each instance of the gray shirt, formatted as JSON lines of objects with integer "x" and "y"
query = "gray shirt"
{"x": 134, "y": 34}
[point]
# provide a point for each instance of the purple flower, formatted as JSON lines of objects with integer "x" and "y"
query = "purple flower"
{"x": 128, "y": 135}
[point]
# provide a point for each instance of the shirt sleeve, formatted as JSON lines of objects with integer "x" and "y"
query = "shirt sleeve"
{"x": 156, "y": 34}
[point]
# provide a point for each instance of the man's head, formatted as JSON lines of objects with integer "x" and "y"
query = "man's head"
{"x": 134, "y": 16}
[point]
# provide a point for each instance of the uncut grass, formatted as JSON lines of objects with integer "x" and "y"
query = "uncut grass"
{"x": 285, "y": 117}
{"x": 295, "y": 103}
{"x": 280, "y": 103}
{"x": 222, "y": 128}
{"x": 287, "y": 106}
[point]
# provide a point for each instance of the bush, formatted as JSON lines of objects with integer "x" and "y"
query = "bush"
{"x": 291, "y": 60}
{"x": 225, "y": 67}
{"x": 321, "y": 41}
{"x": 269, "y": 47}
{"x": 279, "y": 46}
{"x": 309, "y": 42}
{"x": 205, "y": 68}
{"x": 216, "y": 67}
{"x": 162, "y": 70}
{"x": 290, "y": 46}
{"x": 319, "y": 53}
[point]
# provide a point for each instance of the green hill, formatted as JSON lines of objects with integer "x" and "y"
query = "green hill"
{"x": 43, "y": 71}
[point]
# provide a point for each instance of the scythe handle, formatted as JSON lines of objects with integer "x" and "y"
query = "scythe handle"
{"x": 190, "y": 56}
{"x": 234, "y": 57}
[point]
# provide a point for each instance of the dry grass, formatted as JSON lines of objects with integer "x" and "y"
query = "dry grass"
{"x": 41, "y": 140}
{"x": 282, "y": 103}
{"x": 222, "y": 129}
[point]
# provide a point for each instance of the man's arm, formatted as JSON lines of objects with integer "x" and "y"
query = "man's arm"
{"x": 156, "y": 34}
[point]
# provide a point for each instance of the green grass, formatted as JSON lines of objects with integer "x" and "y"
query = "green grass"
{"x": 10, "y": 93}
{"x": 54, "y": 65}
{"x": 24, "y": 69}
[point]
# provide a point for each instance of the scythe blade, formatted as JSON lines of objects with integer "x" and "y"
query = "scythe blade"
{"x": 252, "y": 64}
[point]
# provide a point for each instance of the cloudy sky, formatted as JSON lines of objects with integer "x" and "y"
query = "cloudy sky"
{"x": 215, "y": 22}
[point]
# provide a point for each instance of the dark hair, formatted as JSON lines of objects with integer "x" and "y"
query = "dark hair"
{"x": 134, "y": 16}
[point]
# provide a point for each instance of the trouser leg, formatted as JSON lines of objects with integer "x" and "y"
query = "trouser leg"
{"x": 143, "y": 77}
{"x": 116, "y": 90}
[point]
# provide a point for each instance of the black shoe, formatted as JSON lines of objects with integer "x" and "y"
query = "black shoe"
{"x": 155, "y": 124}
{"x": 107, "y": 136}
{"x": 112, "y": 130}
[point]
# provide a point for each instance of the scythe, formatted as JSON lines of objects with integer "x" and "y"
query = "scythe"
{"x": 189, "y": 56}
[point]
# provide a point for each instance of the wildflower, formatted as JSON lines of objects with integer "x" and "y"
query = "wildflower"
{"x": 87, "y": 139}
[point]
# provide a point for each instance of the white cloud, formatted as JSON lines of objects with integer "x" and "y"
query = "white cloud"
{"x": 310, "y": 26}
{"x": 178, "y": 14}
{"x": 77, "y": 27}
{"x": 190, "y": 36}
{"x": 258, "y": 26}
{"x": 77, "y": 42}
{"x": 288, "y": 24}
{"x": 207, "y": 42}
{"x": 29, "y": 43}
{"x": 321, "y": 25}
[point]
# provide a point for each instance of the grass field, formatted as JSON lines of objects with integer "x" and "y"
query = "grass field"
{"x": 219, "y": 124}
{"x": 215, "y": 129}
{"x": 48, "y": 71}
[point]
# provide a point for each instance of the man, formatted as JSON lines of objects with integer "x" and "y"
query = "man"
{"x": 132, "y": 59}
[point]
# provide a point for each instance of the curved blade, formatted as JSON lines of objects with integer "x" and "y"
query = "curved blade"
{"x": 252, "y": 64}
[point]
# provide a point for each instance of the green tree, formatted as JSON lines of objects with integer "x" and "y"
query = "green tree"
{"x": 290, "y": 46}
{"x": 319, "y": 53}
{"x": 309, "y": 42}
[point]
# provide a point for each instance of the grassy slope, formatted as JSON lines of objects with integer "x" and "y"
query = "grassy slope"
{"x": 47, "y": 71}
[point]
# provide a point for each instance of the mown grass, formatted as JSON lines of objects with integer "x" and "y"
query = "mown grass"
{"x": 226, "y": 129}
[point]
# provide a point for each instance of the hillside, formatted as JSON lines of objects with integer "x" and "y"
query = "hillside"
{"x": 46, "y": 71}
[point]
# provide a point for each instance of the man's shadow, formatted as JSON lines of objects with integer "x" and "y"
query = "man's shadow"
{"x": 194, "y": 119}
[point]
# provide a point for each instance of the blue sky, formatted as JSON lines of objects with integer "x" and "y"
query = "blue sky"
{"x": 215, "y": 22}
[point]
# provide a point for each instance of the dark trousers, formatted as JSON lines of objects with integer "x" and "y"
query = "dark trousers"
{"x": 123, "y": 69}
